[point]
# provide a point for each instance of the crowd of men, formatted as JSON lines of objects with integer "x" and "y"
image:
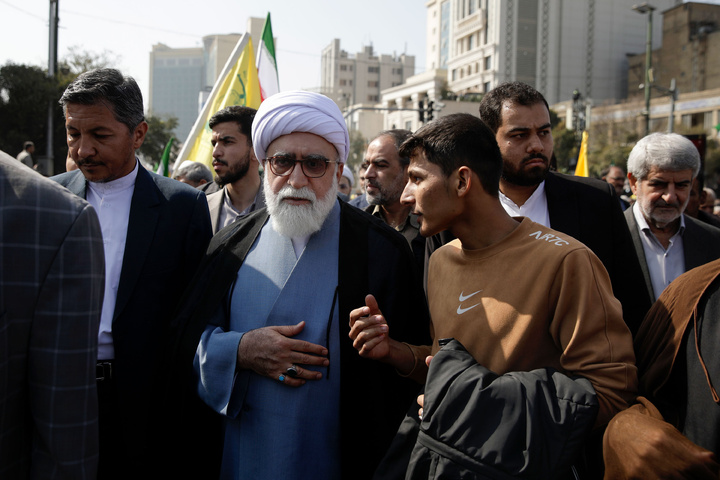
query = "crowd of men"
{"x": 480, "y": 316}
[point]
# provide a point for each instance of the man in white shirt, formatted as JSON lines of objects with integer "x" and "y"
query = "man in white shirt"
{"x": 236, "y": 168}
{"x": 155, "y": 230}
{"x": 584, "y": 208}
{"x": 661, "y": 169}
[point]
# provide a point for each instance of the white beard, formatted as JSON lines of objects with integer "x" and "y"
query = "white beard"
{"x": 297, "y": 221}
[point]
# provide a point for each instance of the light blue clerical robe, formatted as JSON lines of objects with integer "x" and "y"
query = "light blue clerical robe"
{"x": 272, "y": 430}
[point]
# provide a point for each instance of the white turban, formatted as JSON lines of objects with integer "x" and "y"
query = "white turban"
{"x": 347, "y": 172}
{"x": 299, "y": 111}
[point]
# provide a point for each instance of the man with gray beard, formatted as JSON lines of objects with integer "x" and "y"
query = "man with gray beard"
{"x": 274, "y": 356}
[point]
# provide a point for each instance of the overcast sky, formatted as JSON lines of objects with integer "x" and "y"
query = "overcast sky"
{"x": 129, "y": 28}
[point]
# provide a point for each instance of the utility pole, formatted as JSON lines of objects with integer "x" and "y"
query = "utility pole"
{"x": 52, "y": 72}
{"x": 646, "y": 8}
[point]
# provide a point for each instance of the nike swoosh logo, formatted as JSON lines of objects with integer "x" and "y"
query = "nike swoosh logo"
{"x": 461, "y": 310}
{"x": 465, "y": 297}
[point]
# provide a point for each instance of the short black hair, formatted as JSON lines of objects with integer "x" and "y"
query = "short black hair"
{"x": 459, "y": 140}
{"x": 514, "y": 92}
{"x": 398, "y": 136}
{"x": 108, "y": 86}
{"x": 243, "y": 116}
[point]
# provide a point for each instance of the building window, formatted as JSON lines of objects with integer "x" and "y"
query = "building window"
{"x": 373, "y": 69}
{"x": 488, "y": 62}
{"x": 373, "y": 83}
{"x": 373, "y": 98}
{"x": 454, "y": 74}
{"x": 477, "y": 67}
{"x": 343, "y": 68}
{"x": 471, "y": 42}
{"x": 343, "y": 82}
{"x": 486, "y": 87}
{"x": 408, "y": 125}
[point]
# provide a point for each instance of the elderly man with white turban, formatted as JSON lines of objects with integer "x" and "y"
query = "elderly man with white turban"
{"x": 269, "y": 314}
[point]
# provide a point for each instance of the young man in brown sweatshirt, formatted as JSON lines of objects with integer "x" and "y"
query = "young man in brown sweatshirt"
{"x": 517, "y": 295}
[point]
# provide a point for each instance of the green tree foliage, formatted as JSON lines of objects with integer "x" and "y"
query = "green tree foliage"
{"x": 77, "y": 61}
{"x": 25, "y": 95}
{"x": 160, "y": 129}
{"x": 358, "y": 146}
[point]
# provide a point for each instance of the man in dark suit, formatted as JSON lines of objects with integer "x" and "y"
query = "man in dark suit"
{"x": 51, "y": 274}
{"x": 661, "y": 169}
{"x": 586, "y": 209}
{"x": 155, "y": 231}
{"x": 385, "y": 178}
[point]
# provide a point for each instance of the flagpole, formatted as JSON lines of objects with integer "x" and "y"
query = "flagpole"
{"x": 200, "y": 121}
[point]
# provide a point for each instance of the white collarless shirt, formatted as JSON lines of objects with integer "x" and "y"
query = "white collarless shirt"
{"x": 111, "y": 201}
{"x": 664, "y": 265}
{"x": 535, "y": 208}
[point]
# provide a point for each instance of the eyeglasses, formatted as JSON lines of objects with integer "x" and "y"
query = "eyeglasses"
{"x": 312, "y": 167}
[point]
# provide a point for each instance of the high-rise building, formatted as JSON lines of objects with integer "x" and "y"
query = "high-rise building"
{"x": 181, "y": 78}
{"x": 176, "y": 77}
{"x": 358, "y": 79}
{"x": 557, "y": 46}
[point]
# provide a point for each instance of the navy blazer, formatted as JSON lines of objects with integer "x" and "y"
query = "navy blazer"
{"x": 168, "y": 232}
{"x": 701, "y": 245}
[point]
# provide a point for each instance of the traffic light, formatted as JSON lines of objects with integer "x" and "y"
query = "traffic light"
{"x": 430, "y": 110}
{"x": 421, "y": 111}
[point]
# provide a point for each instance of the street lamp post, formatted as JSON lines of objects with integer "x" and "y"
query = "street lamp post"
{"x": 646, "y": 8}
{"x": 52, "y": 72}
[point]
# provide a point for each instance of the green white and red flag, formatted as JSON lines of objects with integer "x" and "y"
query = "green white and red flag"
{"x": 266, "y": 64}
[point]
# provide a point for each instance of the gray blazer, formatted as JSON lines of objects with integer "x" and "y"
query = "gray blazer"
{"x": 52, "y": 274}
{"x": 215, "y": 202}
{"x": 701, "y": 244}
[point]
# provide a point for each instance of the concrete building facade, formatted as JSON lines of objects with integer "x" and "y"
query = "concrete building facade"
{"x": 354, "y": 79}
{"x": 181, "y": 78}
{"x": 557, "y": 46}
{"x": 176, "y": 77}
{"x": 689, "y": 53}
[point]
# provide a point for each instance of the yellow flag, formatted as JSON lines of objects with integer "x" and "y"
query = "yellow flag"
{"x": 581, "y": 170}
{"x": 239, "y": 86}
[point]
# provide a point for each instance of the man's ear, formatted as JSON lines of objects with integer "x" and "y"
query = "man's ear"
{"x": 463, "y": 180}
{"x": 633, "y": 182}
{"x": 139, "y": 134}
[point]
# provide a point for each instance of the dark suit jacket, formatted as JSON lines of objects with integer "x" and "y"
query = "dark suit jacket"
{"x": 168, "y": 232}
{"x": 701, "y": 245}
{"x": 588, "y": 210}
{"x": 373, "y": 259}
{"x": 51, "y": 289}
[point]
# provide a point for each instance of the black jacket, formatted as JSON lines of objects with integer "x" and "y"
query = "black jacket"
{"x": 373, "y": 259}
{"x": 477, "y": 424}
